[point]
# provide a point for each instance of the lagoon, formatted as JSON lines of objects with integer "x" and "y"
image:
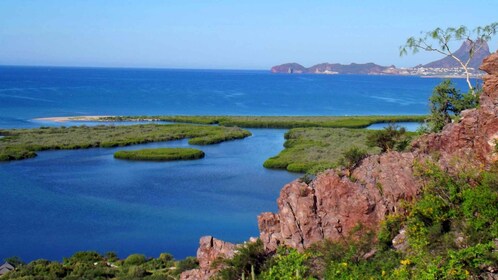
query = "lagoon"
{"x": 65, "y": 201}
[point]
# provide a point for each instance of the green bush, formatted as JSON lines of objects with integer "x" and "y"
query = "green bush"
{"x": 446, "y": 101}
{"x": 186, "y": 264}
{"x": 249, "y": 257}
{"x": 390, "y": 138}
{"x": 135, "y": 259}
{"x": 287, "y": 264}
{"x": 352, "y": 157}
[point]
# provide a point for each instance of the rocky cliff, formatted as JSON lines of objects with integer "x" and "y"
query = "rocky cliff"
{"x": 333, "y": 205}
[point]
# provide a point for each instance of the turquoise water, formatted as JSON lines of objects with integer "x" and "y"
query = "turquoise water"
{"x": 65, "y": 201}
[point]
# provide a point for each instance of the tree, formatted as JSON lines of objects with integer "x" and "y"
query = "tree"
{"x": 439, "y": 41}
{"x": 446, "y": 101}
{"x": 389, "y": 138}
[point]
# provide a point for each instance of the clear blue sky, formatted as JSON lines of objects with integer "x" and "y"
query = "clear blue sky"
{"x": 224, "y": 34}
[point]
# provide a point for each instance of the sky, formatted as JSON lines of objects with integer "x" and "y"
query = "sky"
{"x": 222, "y": 34}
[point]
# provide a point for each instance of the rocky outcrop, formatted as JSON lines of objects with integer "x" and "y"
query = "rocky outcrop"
{"x": 471, "y": 141}
{"x": 333, "y": 205}
{"x": 209, "y": 250}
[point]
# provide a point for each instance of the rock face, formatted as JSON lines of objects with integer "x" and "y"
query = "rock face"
{"x": 473, "y": 139}
{"x": 333, "y": 205}
{"x": 209, "y": 250}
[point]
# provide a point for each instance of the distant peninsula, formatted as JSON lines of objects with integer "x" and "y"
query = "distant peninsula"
{"x": 445, "y": 67}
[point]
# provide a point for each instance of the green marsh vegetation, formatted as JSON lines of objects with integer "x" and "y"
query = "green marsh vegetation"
{"x": 277, "y": 121}
{"x": 160, "y": 154}
{"x": 23, "y": 143}
{"x": 309, "y": 150}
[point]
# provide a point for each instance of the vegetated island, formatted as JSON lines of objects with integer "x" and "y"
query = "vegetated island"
{"x": 265, "y": 121}
{"x": 23, "y": 143}
{"x": 313, "y": 144}
{"x": 160, "y": 154}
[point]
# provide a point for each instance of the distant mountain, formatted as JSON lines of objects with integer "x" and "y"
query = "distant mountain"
{"x": 445, "y": 67}
{"x": 332, "y": 68}
{"x": 463, "y": 54}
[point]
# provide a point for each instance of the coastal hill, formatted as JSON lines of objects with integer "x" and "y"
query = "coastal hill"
{"x": 482, "y": 51}
{"x": 443, "y": 67}
{"x": 331, "y": 68}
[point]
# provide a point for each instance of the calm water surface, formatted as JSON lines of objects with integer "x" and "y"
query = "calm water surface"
{"x": 65, "y": 201}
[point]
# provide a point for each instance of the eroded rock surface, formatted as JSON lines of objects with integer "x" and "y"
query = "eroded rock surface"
{"x": 333, "y": 205}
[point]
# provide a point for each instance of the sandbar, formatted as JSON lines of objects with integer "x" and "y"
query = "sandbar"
{"x": 73, "y": 118}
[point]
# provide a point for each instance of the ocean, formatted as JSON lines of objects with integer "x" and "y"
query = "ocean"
{"x": 65, "y": 201}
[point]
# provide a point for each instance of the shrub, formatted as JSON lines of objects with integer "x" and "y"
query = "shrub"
{"x": 135, "y": 259}
{"x": 389, "y": 138}
{"x": 249, "y": 257}
{"x": 446, "y": 101}
{"x": 352, "y": 157}
{"x": 186, "y": 264}
{"x": 289, "y": 264}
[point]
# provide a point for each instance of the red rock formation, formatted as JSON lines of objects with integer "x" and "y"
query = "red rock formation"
{"x": 473, "y": 139}
{"x": 332, "y": 205}
{"x": 209, "y": 250}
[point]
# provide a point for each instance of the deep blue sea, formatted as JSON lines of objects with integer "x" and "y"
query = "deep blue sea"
{"x": 64, "y": 201}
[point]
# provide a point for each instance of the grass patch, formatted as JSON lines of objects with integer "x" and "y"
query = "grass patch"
{"x": 277, "y": 121}
{"x": 310, "y": 150}
{"x": 160, "y": 154}
{"x": 23, "y": 143}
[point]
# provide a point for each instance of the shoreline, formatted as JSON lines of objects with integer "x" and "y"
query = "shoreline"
{"x": 74, "y": 118}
